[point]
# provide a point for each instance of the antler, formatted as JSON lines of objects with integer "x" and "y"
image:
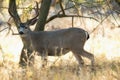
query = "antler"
{"x": 13, "y": 12}
{"x": 34, "y": 19}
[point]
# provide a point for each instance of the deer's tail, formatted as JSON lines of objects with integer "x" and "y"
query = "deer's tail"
{"x": 87, "y": 35}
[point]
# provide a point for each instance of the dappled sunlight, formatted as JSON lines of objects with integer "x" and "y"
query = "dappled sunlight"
{"x": 11, "y": 45}
{"x": 104, "y": 44}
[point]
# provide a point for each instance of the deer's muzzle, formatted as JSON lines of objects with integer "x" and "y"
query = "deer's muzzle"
{"x": 21, "y": 33}
{"x": 21, "y": 30}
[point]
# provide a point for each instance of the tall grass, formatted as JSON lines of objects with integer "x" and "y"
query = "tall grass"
{"x": 104, "y": 70}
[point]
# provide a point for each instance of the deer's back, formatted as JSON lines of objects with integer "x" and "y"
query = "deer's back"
{"x": 64, "y": 38}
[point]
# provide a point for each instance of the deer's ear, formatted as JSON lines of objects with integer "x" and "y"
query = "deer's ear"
{"x": 32, "y": 22}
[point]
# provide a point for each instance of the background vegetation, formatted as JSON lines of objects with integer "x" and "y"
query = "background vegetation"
{"x": 104, "y": 42}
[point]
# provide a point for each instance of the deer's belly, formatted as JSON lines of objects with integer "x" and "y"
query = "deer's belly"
{"x": 58, "y": 51}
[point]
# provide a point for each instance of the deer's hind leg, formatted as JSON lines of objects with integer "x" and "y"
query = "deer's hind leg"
{"x": 86, "y": 54}
{"x": 79, "y": 59}
{"x": 89, "y": 56}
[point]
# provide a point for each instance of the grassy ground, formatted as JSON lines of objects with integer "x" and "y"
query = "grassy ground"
{"x": 106, "y": 50}
{"x": 104, "y": 70}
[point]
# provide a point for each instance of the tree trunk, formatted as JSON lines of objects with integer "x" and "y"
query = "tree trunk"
{"x": 43, "y": 13}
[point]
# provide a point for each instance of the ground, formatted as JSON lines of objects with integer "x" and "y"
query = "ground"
{"x": 104, "y": 43}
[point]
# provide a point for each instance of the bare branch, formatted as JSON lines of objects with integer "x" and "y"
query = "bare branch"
{"x": 4, "y": 29}
{"x": 13, "y": 12}
{"x": 66, "y": 9}
{"x": 17, "y": 7}
{"x": 58, "y": 15}
{"x": 108, "y": 4}
{"x": 4, "y": 24}
{"x": 13, "y": 31}
{"x": 100, "y": 23}
{"x": 60, "y": 2}
{"x": 62, "y": 15}
{"x": 9, "y": 29}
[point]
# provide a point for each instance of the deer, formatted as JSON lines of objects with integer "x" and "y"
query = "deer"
{"x": 26, "y": 51}
{"x": 52, "y": 43}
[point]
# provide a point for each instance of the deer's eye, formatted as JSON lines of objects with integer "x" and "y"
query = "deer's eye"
{"x": 25, "y": 27}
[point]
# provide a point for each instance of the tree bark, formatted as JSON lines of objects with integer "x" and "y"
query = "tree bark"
{"x": 43, "y": 13}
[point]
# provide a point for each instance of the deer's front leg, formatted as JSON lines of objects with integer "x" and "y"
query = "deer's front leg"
{"x": 44, "y": 58}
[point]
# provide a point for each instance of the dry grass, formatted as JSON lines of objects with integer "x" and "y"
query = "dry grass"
{"x": 104, "y": 70}
{"x": 106, "y": 50}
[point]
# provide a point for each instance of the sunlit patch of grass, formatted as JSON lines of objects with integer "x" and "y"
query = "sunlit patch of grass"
{"x": 104, "y": 70}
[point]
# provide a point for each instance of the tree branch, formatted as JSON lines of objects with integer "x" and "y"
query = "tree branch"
{"x": 60, "y": 2}
{"x": 66, "y": 9}
{"x": 13, "y": 12}
{"x": 43, "y": 13}
{"x": 63, "y": 15}
{"x": 100, "y": 23}
{"x": 58, "y": 15}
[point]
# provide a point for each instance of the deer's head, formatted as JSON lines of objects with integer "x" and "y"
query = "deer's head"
{"x": 22, "y": 27}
